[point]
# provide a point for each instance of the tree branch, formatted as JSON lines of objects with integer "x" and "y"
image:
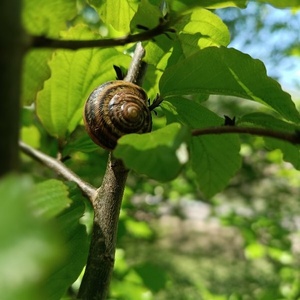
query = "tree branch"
{"x": 45, "y": 42}
{"x": 60, "y": 169}
{"x": 107, "y": 204}
{"x": 100, "y": 264}
{"x": 293, "y": 138}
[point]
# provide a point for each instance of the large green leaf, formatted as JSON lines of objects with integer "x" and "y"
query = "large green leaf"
{"x": 76, "y": 247}
{"x": 47, "y": 17}
{"x": 195, "y": 30}
{"x": 29, "y": 248}
{"x": 225, "y": 71}
{"x": 146, "y": 9}
{"x": 214, "y": 159}
{"x": 154, "y": 154}
{"x": 74, "y": 74}
{"x": 117, "y": 13}
{"x": 35, "y": 72}
{"x": 200, "y": 29}
{"x": 157, "y": 48}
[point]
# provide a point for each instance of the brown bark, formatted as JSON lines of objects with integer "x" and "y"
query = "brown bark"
{"x": 107, "y": 204}
{"x": 96, "y": 280}
{"x": 11, "y": 52}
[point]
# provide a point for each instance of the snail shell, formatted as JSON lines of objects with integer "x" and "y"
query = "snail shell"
{"x": 114, "y": 109}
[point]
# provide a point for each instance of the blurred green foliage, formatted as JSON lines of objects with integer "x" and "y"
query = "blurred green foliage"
{"x": 174, "y": 240}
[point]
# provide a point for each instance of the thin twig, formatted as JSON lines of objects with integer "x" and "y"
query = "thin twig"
{"x": 136, "y": 70}
{"x": 60, "y": 169}
{"x": 293, "y": 138}
{"x": 156, "y": 102}
{"x": 45, "y": 42}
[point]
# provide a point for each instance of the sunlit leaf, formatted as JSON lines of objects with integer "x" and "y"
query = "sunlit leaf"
{"x": 74, "y": 74}
{"x": 225, "y": 71}
{"x": 255, "y": 251}
{"x": 31, "y": 136}
{"x": 117, "y": 13}
{"x": 35, "y": 72}
{"x": 138, "y": 229}
{"x": 47, "y": 17}
{"x": 131, "y": 286}
{"x": 199, "y": 29}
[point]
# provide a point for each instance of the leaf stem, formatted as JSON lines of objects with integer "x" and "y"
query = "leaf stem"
{"x": 293, "y": 138}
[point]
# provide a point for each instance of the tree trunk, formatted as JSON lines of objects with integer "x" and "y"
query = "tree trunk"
{"x": 11, "y": 52}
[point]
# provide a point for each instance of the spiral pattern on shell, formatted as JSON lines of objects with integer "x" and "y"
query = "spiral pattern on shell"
{"x": 114, "y": 109}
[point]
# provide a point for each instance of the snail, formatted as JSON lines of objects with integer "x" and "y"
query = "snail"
{"x": 114, "y": 109}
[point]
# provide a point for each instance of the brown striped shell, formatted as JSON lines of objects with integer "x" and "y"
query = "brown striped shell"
{"x": 114, "y": 109}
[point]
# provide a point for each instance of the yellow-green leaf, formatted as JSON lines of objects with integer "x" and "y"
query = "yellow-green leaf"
{"x": 74, "y": 74}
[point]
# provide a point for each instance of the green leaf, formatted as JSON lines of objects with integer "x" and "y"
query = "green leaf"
{"x": 154, "y": 154}
{"x": 225, "y": 71}
{"x": 200, "y": 29}
{"x": 255, "y": 251}
{"x": 146, "y": 9}
{"x": 129, "y": 287}
{"x": 74, "y": 75}
{"x": 290, "y": 152}
{"x": 214, "y": 159}
{"x": 35, "y": 72}
{"x": 79, "y": 141}
{"x": 138, "y": 229}
{"x": 31, "y": 136}
{"x": 29, "y": 247}
{"x": 268, "y": 121}
{"x": 117, "y": 13}
{"x": 154, "y": 277}
{"x": 190, "y": 113}
{"x": 50, "y": 198}
{"x": 195, "y": 30}
{"x": 47, "y": 17}
{"x": 76, "y": 248}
